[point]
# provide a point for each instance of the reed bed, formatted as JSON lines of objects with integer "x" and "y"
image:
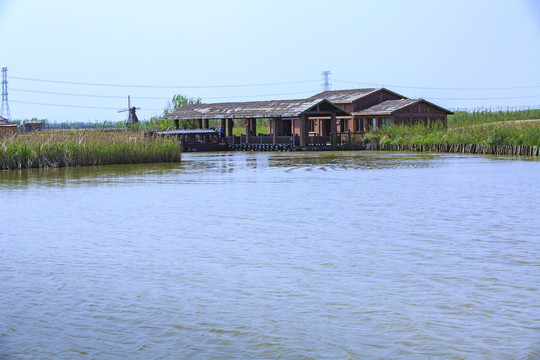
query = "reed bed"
{"x": 84, "y": 148}
{"x": 490, "y": 134}
{"x": 482, "y": 116}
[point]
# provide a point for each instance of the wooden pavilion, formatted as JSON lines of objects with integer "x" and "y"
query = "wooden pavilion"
{"x": 288, "y": 119}
{"x": 322, "y": 119}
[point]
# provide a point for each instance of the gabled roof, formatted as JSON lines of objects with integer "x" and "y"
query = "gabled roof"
{"x": 256, "y": 109}
{"x": 4, "y": 121}
{"x": 349, "y": 96}
{"x": 389, "y": 107}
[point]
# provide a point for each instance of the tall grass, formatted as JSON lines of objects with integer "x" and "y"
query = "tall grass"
{"x": 504, "y": 133}
{"x": 83, "y": 148}
{"x": 482, "y": 116}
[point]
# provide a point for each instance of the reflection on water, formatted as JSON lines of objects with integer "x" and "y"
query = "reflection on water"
{"x": 269, "y": 255}
{"x": 220, "y": 163}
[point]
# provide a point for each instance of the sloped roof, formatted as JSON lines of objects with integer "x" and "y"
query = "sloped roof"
{"x": 4, "y": 121}
{"x": 256, "y": 109}
{"x": 389, "y": 107}
{"x": 349, "y": 96}
{"x": 343, "y": 96}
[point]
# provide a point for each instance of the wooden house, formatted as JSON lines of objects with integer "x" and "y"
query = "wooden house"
{"x": 324, "y": 118}
{"x": 7, "y": 128}
{"x": 32, "y": 125}
{"x": 376, "y": 107}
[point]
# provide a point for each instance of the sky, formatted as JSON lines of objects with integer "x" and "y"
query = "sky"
{"x": 79, "y": 60}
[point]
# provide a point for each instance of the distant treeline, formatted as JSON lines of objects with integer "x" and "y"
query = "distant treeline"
{"x": 153, "y": 123}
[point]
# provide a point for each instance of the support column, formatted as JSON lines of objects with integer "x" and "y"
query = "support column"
{"x": 333, "y": 129}
{"x": 199, "y": 123}
{"x": 254, "y": 127}
{"x": 230, "y": 125}
{"x": 274, "y": 130}
{"x": 223, "y": 131}
{"x": 248, "y": 132}
{"x": 206, "y": 124}
{"x": 303, "y": 130}
{"x": 176, "y": 124}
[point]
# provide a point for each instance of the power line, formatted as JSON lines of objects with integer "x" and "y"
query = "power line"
{"x": 440, "y": 88}
{"x": 74, "y": 106}
{"x": 325, "y": 75}
{"x": 263, "y": 95}
{"x": 489, "y": 98}
{"x": 85, "y": 95}
{"x": 153, "y": 98}
{"x": 67, "y": 94}
{"x": 163, "y": 86}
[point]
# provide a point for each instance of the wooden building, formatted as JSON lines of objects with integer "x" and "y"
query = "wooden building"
{"x": 288, "y": 119}
{"x": 376, "y": 107}
{"x": 7, "y": 128}
{"x": 32, "y": 125}
{"x": 323, "y": 118}
{"x": 403, "y": 111}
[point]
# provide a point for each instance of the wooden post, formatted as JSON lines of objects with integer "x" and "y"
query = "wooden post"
{"x": 230, "y": 125}
{"x": 206, "y": 124}
{"x": 248, "y": 132}
{"x": 303, "y": 130}
{"x": 333, "y": 129}
{"x": 176, "y": 124}
{"x": 274, "y": 130}
{"x": 253, "y": 126}
{"x": 199, "y": 123}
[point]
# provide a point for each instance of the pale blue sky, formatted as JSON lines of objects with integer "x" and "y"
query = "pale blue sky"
{"x": 406, "y": 46}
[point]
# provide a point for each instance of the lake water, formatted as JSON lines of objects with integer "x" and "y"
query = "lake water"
{"x": 352, "y": 255}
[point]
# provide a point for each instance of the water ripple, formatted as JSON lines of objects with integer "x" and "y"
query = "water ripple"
{"x": 265, "y": 255}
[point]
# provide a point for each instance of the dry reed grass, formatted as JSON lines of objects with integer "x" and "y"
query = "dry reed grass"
{"x": 84, "y": 148}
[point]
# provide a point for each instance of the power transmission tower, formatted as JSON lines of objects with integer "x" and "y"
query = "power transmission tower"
{"x": 326, "y": 84}
{"x": 5, "y": 104}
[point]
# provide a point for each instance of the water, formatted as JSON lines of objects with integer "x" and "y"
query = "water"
{"x": 274, "y": 255}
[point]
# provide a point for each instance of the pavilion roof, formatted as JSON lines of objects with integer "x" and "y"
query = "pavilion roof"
{"x": 257, "y": 109}
{"x": 389, "y": 107}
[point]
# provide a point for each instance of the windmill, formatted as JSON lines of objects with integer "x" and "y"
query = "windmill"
{"x": 132, "y": 117}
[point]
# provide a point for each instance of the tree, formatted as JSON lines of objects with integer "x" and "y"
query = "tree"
{"x": 179, "y": 101}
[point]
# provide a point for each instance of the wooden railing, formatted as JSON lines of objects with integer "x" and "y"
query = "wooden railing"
{"x": 263, "y": 139}
{"x": 317, "y": 140}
